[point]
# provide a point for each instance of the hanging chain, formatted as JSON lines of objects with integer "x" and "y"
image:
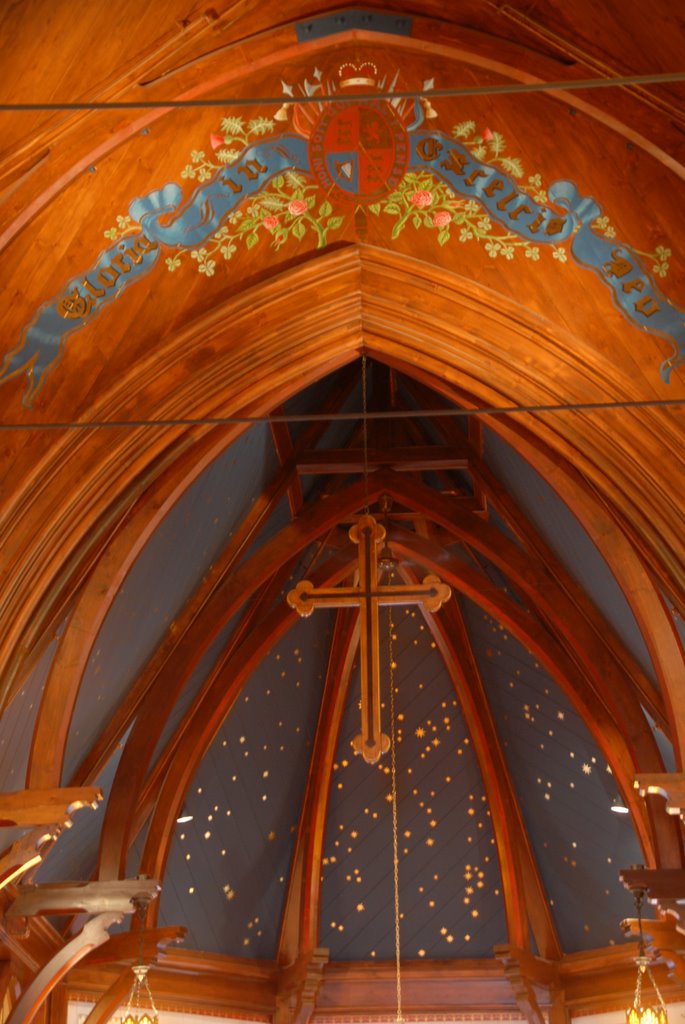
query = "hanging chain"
{"x": 365, "y": 439}
{"x": 395, "y": 852}
{"x": 643, "y": 964}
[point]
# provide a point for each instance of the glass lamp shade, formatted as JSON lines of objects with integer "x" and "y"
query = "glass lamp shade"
{"x": 646, "y": 1015}
{"x": 140, "y": 992}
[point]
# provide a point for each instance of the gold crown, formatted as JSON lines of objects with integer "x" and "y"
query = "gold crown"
{"x": 357, "y": 74}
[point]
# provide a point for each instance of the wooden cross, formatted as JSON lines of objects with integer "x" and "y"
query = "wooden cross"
{"x": 368, "y": 596}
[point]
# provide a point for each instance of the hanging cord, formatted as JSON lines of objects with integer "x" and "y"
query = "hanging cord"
{"x": 395, "y": 853}
{"x": 643, "y": 961}
{"x": 365, "y": 437}
{"x": 141, "y": 985}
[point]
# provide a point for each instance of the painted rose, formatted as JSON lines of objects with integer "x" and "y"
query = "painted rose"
{"x": 422, "y": 198}
{"x": 296, "y": 207}
{"x": 442, "y": 218}
{"x": 270, "y": 222}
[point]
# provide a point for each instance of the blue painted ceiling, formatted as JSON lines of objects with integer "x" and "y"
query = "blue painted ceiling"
{"x": 229, "y": 868}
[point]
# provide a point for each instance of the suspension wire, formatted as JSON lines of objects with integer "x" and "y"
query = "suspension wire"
{"x": 507, "y": 89}
{"x": 340, "y": 417}
{"x": 395, "y": 852}
{"x": 365, "y": 436}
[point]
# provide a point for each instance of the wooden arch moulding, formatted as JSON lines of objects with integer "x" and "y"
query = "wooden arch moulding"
{"x": 361, "y": 294}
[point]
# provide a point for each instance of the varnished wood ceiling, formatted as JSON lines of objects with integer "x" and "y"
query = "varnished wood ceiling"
{"x": 182, "y": 283}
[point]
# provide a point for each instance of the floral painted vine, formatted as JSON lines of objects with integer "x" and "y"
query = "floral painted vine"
{"x": 291, "y": 207}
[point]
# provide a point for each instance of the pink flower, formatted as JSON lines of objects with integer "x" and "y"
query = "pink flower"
{"x": 442, "y": 218}
{"x": 422, "y": 198}
{"x": 270, "y": 222}
{"x": 297, "y": 207}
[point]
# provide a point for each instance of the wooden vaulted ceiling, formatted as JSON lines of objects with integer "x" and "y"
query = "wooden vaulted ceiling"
{"x": 200, "y": 300}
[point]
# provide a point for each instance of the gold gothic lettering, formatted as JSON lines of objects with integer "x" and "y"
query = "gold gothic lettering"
{"x": 77, "y": 304}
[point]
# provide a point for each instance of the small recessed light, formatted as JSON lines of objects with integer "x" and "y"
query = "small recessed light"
{"x": 618, "y": 807}
{"x": 184, "y": 818}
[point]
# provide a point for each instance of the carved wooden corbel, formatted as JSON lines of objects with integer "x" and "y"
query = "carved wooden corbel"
{"x": 525, "y": 973}
{"x": 298, "y": 986}
{"x": 93, "y": 934}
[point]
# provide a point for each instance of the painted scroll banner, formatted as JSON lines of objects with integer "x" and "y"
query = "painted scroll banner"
{"x": 44, "y": 340}
{"x": 166, "y": 221}
{"x": 618, "y": 266}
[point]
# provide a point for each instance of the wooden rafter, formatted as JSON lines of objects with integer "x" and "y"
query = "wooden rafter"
{"x": 193, "y": 609}
{"x": 524, "y": 892}
{"x": 94, "y": 602}
{"x": 93, "y": 934}
{"x": 300, "y": 923}
{"x": 218, "y": 699}
{"x": 537, "y": 638}
{"x": 27, "y": 808}
{"x": 250, "y": 621}
{"x": 516, "y": 519}
{"x": 312, "y": 522}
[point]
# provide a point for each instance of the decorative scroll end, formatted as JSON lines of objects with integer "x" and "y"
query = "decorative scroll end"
{"x": 300, "y": 598}
{"x": 367, "y": 523}
{"x": 371, "y": 752}
{"x": 437, "y": 595}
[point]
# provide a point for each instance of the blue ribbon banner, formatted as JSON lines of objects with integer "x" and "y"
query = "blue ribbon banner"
{"x": 166, "y": 221}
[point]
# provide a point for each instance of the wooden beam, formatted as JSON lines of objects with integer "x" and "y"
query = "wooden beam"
{"x": 195, "y": 609}
{"x": 201, "y": 729}
{"x": 29, "y": 807}
{"x": 506, "y": 506}
{"x": 252, "y": 619}
{"x": 26, "y": 853}
{"x": 111, "y": 999}
{"x": 183, "y": 461}
{"x": 524, "y": 974}
{"x": 300, "y": 922}
{"x": 82, "y": 897}
{"x": 407, "y": 459}
{"x": 30, "y": 942}
{"x": 671, "y": 786}
{"x": 164, "y": 682}
{"x": 659, "y": 884}
{"x": 285, "y": 450}
{"x": 93, "y": 934}
{"x": 124, "y": 947}
{"x": 537, "y": 638}
{"x": 298, "y": 986}
{"x": 524, "y": 892}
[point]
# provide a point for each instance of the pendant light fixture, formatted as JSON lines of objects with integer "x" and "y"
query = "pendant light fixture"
{"x": 639, "y": 1013}
{"x": 140, "y": 1007}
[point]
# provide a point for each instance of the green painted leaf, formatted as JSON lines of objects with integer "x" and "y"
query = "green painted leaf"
{"x": 443, "y": 236}
{"x": 334, "y": 223}
{"x": 393, "y": 208}
{"x": 375, "y": 208}
{"x": 252, "y": 240}
{"x": 299, "y": 229}
{"x": 325, "y": 210}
